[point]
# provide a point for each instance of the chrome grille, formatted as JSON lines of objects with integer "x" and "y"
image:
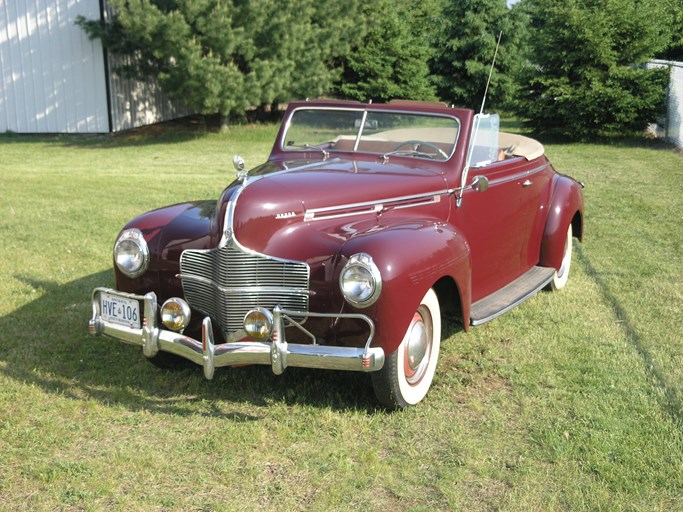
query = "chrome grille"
{"x": 226, "y": 282}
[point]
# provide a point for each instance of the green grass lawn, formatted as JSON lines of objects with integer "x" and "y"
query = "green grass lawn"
{"x": 573, "y": 401}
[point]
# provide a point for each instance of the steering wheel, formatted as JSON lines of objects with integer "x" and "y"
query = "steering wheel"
{"x": 417, "y": 143}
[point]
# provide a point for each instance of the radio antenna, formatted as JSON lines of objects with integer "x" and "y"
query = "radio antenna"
{"x": 475, "y": 131}
{"x": 490, "y": 73}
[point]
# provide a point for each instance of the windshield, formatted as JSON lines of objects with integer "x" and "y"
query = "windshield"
{"x": 385, "y": 133}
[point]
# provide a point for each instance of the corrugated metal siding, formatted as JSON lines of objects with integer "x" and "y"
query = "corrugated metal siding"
{"x": 135, "y": 103}
{"x": 672, "y": 126}
{"x": 53, "y": 78}
{"x": 675, "y": 117}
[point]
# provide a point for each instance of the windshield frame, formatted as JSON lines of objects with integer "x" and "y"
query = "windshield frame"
{"x": 359, "y": 133}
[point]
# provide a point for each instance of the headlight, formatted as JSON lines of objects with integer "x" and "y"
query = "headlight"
{"x": 131, "y": 253}
{"x": 360, "y": 281}
{"x": 175, "y": 314}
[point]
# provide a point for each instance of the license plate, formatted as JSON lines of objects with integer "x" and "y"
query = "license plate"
{"x": 120, "y": 310}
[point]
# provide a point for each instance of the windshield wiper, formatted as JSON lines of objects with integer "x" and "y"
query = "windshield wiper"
{"x": 292, "y": 144}
{"x": 408, "y": 152}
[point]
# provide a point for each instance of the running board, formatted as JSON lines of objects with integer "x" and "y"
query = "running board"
{"x": 519, "y": 290}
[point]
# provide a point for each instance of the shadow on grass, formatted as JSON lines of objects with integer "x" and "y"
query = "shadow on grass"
{"x": 673, "y": 404}
{"x": 174, "y": 131}
{"x": 46, "y": 343}
{"x": 163, "y": 133}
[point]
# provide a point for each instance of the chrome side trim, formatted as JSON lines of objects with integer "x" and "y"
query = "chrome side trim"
{"x": 376, "y": 207}
{"x": 519, "y": 175}
{"x": 227, "y": 234}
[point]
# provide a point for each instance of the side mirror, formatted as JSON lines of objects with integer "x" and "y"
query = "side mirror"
{"x": 480, "y": 184}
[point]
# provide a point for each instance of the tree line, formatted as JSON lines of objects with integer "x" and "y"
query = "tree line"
{"x": 568, "y": 67}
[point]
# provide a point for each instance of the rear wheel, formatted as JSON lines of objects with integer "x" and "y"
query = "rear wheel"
{"x": 562, "y": 276}
{"x": 408, "y": 372}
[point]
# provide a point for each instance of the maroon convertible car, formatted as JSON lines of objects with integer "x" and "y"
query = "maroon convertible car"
{"x": 367, "y": 224}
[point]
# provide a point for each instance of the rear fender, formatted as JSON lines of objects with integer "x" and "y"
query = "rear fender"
{"x": 566, "y": 207}
{"x": 411, "y": 258}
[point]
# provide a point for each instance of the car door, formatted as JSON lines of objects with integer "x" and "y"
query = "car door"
{"x": 504, "y": 224}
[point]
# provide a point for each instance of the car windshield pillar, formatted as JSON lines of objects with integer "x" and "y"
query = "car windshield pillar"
{"x": 360, "y": 130}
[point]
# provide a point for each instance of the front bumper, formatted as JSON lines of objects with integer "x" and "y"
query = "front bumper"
{"x": 277, "y": 352}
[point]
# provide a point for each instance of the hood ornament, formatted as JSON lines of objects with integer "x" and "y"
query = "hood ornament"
{"x": 238, "y": 164}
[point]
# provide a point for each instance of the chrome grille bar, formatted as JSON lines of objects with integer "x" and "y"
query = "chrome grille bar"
{"x": 226, "y": 282}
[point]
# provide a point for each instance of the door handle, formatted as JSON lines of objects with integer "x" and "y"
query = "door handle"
{"x": 527, "y": 183}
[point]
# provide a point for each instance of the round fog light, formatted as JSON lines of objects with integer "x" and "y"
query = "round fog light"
{"x": 258, "y": 323}
{"x": 175, "y": 314}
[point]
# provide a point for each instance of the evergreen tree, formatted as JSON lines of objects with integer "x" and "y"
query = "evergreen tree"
{"x": 392, "y": 60}
{"x": 586, "y": 75}
{"x": 466, "y": 42}
{"x": 221, "y": 56}
{"x": 675, "y": 49}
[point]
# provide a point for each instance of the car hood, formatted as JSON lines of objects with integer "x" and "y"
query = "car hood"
{"x": 284, "y": 202}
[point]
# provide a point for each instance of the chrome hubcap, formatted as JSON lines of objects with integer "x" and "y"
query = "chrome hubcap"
{"x": 417, "y": 348}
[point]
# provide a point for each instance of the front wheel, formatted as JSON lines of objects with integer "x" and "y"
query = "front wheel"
{"x": 562, "y": 276}
{"x": 407, "y": 374}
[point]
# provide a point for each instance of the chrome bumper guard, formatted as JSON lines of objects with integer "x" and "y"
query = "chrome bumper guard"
{"x": 277, "y": 353}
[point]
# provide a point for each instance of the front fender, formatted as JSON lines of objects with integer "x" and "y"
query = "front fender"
{"x": 412, "y": 257}
{"x": 168, "y": 232}
{"x": 566, "y": 207}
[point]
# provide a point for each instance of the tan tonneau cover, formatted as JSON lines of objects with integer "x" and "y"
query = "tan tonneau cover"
{"x": 519, "y": 145}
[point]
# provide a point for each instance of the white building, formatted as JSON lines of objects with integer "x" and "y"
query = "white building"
{"x": 55, "y": 80}
{"x": 671, "y": 127}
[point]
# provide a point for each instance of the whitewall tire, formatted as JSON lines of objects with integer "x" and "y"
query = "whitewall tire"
{"x": 408, "y": 373}
{"x": 562, "y": 276}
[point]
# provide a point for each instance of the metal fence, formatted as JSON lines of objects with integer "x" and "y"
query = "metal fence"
{"x": 671, "y": 126}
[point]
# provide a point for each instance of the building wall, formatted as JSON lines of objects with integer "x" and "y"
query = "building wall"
{"x": 675, "y": 110}
{"x": 53, "y": 76}
{"x": 55, "y": 80}
{"x": 671, "y": 127}
{"x": 136, "y": 103}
